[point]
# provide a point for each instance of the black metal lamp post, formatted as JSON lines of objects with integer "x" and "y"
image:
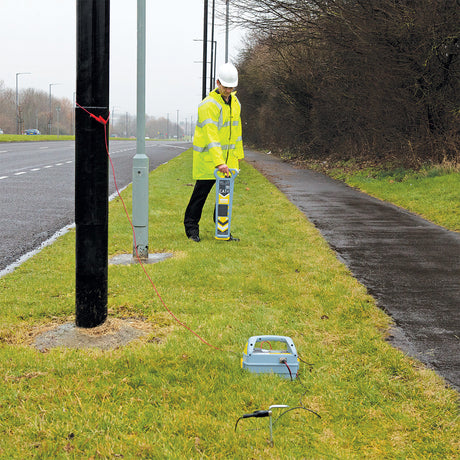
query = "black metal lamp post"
{"x": 91, "y": 162}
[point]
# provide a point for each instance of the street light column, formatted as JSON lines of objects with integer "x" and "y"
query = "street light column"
{"x": 205, "y": 48}
{"x": 226, "y": 29}
{"x": 211, "y": 76}
{"x": 91, "y": 163}
{"x": 18, "y": 112}
{"x": 141, "y": 160}
{"x": 177, "y": 125}
{"x": 58, "y": 109}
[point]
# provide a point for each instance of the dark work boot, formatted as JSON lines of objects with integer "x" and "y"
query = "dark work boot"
{"x": 194, "y": 237}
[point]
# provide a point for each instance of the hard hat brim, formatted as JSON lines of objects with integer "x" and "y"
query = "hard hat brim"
{"x": 228, "y": 84}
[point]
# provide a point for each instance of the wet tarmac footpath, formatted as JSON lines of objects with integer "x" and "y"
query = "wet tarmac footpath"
{"x": 409, "y": 265}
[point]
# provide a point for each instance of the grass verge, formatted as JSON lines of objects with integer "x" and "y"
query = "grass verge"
{"x": 170, "y": 396}
{"x": 432, "y": 192}
{"x": 34, "y": 138}
{"x": 54, "y": 137}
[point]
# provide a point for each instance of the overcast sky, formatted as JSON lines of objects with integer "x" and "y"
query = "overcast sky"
{"x": 38, "y": 36}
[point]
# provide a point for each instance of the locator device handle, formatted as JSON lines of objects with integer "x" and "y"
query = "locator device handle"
{"x": 233, "y": 174}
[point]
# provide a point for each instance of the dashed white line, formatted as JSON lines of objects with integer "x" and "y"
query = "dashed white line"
{"x": 3, "y": 151}
{"x": 36, "y": 169}
{"x": 68, "y": 162}
{"x": 43, "y": 148}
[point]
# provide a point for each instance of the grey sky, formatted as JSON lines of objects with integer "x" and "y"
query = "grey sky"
{"x": 38, "y": 36}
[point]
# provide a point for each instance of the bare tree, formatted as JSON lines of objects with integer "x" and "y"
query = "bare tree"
{"x": 34, "y": 106}
{"x": 363, "y": 77}
{"x": 7, "y": 109}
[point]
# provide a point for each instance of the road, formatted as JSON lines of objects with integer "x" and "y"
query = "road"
{"x": 37, "y": 182}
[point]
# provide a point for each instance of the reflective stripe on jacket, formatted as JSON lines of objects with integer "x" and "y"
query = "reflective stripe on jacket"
{"x": 217, "y": 138}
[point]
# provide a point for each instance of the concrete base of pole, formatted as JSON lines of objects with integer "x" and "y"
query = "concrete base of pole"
{"x": 128, "y": 259}
{"x": 114, "y": 333}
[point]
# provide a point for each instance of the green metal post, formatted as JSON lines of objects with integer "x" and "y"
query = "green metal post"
{"x": 140, "y": 160}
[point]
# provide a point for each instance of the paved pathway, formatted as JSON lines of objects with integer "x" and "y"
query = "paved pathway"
{"x": 410, "y": 266}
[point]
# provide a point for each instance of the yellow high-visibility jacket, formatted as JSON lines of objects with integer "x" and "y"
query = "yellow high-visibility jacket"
{"x": 217, "y": 138}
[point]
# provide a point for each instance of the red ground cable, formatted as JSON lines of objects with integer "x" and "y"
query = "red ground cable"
{"x": 104, "y": 122}
{"x": 266, "y": 341}
{"x": 289, "y": 369}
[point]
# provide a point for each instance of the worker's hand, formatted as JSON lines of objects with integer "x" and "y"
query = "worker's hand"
{"x": 223, "y": 168}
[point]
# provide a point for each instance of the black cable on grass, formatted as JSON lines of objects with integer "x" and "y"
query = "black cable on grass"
{"x": 301, "y": 404}
{"x": 294, "y": 408}
{"x": 308, "y": 364}
{"x": 257, "y": 413}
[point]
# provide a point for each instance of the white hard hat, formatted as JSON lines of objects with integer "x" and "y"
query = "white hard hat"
{"x": 228, "y": 75}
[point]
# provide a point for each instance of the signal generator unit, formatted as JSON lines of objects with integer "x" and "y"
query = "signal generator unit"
{"x": 282, "y": 360}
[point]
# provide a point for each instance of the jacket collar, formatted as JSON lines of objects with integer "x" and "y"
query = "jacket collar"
{"x": 216, "y": 91}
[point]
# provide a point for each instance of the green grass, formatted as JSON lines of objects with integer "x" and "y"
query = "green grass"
{"x": 171, "y": 396}
{"x": 54, "y": 137}
{"x": 433, "y": 193}
{"x": 34, "y": 138}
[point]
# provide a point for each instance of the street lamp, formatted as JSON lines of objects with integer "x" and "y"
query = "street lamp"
{"x": 58, "y": 109}
{"x": 212, "y": 65}
{"x": 226, "y": 29}
{"x": 18, "y": 113}
{"x": 205, "y": 48}
{"x": 213, "y": 71}
{"x": 177, "y": 125}
{"x": 140, "y": 187}
{"x": 213, "y": 57}
{"x": 50, "y": 112}
{"x": 112, "y": 116}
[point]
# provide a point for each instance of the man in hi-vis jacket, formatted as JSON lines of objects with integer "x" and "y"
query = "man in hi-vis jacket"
{"x": 217, "y": 143}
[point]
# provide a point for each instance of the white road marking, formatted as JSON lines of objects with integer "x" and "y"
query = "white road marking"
{"x": 30, "y": 254}
{"x": 48, "y": 242}
{"x": 46, "y": 167}
{"x": 174, "y": 146}
{"x": 20, "y": 173}
{"x": 43, "y": 148}
{"x": 3, "y": 177}
{"x": 35, "y": 169}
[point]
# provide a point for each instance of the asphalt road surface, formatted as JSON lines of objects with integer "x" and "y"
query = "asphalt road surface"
{"x": 37, "y": 182}
{"x": 410, "y": 266}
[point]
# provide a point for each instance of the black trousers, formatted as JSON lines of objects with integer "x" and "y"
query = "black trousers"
{"x": 195, "y": 206}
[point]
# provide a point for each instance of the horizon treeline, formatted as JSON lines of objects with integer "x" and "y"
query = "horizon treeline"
{"x": 34, "y": 113}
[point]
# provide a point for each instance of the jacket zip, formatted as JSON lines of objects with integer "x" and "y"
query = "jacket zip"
{"x": 230, "y": 136}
